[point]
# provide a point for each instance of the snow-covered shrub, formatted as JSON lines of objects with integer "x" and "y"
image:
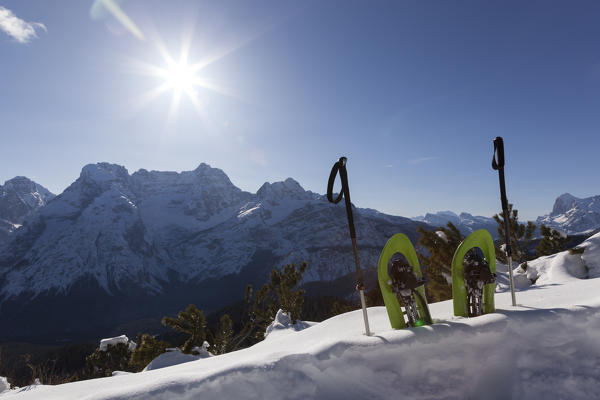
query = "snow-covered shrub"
{"x": 113, "y": 354}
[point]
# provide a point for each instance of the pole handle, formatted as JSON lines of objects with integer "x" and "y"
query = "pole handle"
{"x": 498, "y": 157}
{"x": 339, "y": 166}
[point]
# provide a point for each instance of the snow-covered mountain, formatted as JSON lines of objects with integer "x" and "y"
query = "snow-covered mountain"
{"x": 573, "y": 215}
{"x": 465, "y": 222}
{"x": 124, "y": 246}
{"x": 19, "y": 198}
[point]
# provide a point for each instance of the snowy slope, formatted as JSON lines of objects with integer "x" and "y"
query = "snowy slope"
{"x": 545, "y": 348}
{"x": 573, "y": 215}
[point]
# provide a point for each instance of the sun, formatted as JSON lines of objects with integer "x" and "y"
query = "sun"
{"x": 180, "y": 77}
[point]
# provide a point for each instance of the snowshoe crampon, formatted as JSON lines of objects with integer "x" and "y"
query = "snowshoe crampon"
{"x": 402, "y": 284}
{"x": 474, "y": 276}
{"x": 477, "y": 274}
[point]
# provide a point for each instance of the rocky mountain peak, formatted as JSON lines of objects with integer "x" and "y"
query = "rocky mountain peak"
{"x": 19, "y": 197}
{"x": 573, "y": 215}
{"x": 288, "y": 189}
{"x": 563, "y": 203}
{"x": 103, "y": 172}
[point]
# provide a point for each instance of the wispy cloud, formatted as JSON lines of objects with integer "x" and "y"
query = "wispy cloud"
{"x": 421, "y": 160}
{"x": 20, "y": 30}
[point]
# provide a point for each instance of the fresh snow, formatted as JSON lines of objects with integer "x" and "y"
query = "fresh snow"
{"x": 545, "y": 347}
{"x": 283, "y": 324}
{"x": 564, "y": 266}
{"x": 104, "y": 343}
{"x": 442, "y": 235}
{"x": 4, "y": 385}
{"x": 172, "y": 357}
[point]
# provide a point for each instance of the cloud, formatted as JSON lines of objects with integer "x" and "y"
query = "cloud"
{"x": 15, "y": 27}
{"x": 421, "y": 160}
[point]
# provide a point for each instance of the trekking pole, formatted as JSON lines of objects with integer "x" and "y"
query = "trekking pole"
{"x": 340, "y": 166}
{"x": 498, "y": 164}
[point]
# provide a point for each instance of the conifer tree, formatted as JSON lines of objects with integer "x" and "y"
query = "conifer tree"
{"x": 520, "y": 235}
{"x": 222, "y": 340}
{"x": 147, "y": 349}
{"x": 192, "y": 322}
{"x": 284, "y": 281}
{"x": 440, "y": 245}
{"x": 263, "y": 305}
{"x": 552, "y": 242}
{"x": 102, "y": 363}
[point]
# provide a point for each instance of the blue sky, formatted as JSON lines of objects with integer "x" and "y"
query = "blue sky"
{"x": 412, "y": 92}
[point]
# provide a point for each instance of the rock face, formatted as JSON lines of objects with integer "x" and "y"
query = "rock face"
{"x": 19, "y": 198}
{"x": 465, "y": 222}
{"x": 573, "y": 215}
{"x": 115, "y": 247}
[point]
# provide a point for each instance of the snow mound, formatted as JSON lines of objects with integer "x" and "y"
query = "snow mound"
{"x": 173, "y": 356}
{"x": 104, "y": 343}
{"x": 283, "y": 322}
{"x": 4, "y": 385}
{"x": 562, "y": 267}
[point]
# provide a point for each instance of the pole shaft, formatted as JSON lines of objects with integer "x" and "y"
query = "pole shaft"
{"x": 364, "y": 310}
{"x": 359, "y": 276}
{"x": 508, "y": 248}
{"x": 512, "y": 285}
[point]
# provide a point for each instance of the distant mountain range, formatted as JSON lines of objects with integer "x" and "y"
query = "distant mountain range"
{"x": 465, "y": 222}
{"x": 116, "y": 247}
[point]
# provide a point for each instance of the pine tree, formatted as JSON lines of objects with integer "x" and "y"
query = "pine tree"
{"x": 440, "y": 245}
{"x": 552, "y": 242}
{"x": 102, "y": 363}
{"x": 284, "y": 281}
{"x": 263, "y": 305}
{"x": 148, "y": 348}
{"x": 520, "y": 235}
{"x": 224, "y": 335}
{"x": 192, "y": 322}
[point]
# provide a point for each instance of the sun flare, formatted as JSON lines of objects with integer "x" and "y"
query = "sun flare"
{"x": 180, "y": 77}
{"x": 184, "y": 80}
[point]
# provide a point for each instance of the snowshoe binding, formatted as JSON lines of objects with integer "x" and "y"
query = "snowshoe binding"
{"x": 477, "y": 273}
{"x": 404, "y": 282}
